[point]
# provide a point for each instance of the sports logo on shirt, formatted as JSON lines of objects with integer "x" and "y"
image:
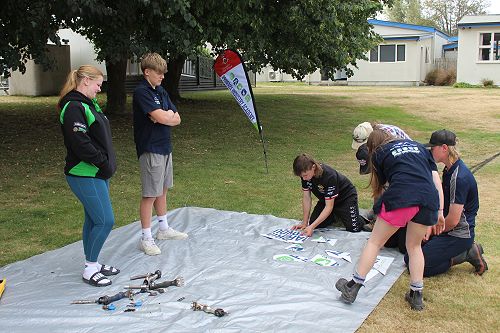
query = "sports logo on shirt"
{"x": 329, "y": 191}
{"x": 79, "y": 127}
{"x": 157, "y": 101}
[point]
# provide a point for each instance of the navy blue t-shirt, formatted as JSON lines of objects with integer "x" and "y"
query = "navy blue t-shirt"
{"x": 460, "y": 187}
{"x": 148, "y": 136}
{"x": 407, "y": 166}
{"x": 330, "y": 185}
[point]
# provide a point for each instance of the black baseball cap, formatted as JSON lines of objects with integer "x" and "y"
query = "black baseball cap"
{"x": 442, "y": 137}
{"x": 363, "y": 159}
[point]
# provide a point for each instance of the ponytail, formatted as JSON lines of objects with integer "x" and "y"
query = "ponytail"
{"x": 76, "y": 76}
{"x": 377, "y": 139}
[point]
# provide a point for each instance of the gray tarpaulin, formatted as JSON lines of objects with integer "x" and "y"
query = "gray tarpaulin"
{"x": 225, "y": 263}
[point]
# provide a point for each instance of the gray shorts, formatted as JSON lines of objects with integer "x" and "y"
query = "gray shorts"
{"x": 156, "y": 174}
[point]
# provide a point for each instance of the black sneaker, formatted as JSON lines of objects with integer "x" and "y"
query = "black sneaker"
{"x": 349, "y": 289}
{"x": 476, "y": 259}
{"x": 415, "y": 299}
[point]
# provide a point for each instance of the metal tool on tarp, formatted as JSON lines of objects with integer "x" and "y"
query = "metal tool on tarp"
{"x": 205, "y": 308}
{"x": 196, "y": 306}
{"x": 148, "y": 278}
{"x": 105, "y": 300}
{"x": 152, "y": 285}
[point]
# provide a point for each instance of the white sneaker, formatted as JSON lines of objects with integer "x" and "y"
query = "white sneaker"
{"x": 149, "y": 247}
{"x": 170, "y": 234}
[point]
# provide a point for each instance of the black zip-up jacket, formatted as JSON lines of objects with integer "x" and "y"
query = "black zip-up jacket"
{"x": 87, "y": 137}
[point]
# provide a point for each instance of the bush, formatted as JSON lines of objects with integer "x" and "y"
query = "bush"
{"x": 441, "y": 77}
{"x": 430, "y": 78}
{"x": 487, "y": 82}
{"x": 446, "y": 77}
{"x": 465, "y": 85}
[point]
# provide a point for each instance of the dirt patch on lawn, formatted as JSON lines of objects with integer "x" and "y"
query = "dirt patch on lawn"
{"x": 440, "y": 104}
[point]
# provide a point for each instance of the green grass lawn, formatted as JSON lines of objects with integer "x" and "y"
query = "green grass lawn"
{"x": 219, "y": 163}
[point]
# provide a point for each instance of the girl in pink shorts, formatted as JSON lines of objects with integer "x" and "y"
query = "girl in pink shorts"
{"x": 414, "y": 198}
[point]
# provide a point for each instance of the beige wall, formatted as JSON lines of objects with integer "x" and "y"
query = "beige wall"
{"x": 82, "y": 50}
{"x": 469, "y": 68}
{"x": 407, "y": 72}
{"x": 37, "y": 82}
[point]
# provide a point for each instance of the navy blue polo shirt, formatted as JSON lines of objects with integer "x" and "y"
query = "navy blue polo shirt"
{"x": 407, "y": 166}
{"x": 148, "y": 136}
{"x": 330, "y": 185}
{"x": 460, "y": 187}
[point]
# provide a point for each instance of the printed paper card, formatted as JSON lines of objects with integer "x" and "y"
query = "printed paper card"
{"x": 289, "y": 257}
{"x": 371, "y": 274}
{"x": 331, "y": 241}
{"x": 286, "y": 235}
{"x": 324, "y": 261}
{"x": 295, "y": 248}
{"x": 319, "y": 239}
{"x": 339, "y": 255}
{"x": 382, "y": 264}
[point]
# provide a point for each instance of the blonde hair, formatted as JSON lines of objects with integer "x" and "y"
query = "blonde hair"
{"x": 376, "y": 139}
{"x": 305, "y": 162}
{"x": 76, "y": 76}
{"x": 153, "y": 61}
{"x": 453, "y": 154}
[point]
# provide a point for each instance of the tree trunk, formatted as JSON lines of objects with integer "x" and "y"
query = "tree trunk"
{"x": 117, "y": 97}
{"x": 173, "y": 76}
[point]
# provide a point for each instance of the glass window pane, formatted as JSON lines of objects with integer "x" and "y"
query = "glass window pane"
{"x": 484, "y": 54}
{"x": 387, "y": 53}
{"x": 401, "y": 52}
{"x": 497, "y": 36}
{"x": 374, "y": 54}
{"x": 485, "y": 38}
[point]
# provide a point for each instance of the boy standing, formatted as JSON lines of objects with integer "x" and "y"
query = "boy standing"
{"x": 154, "y": 115}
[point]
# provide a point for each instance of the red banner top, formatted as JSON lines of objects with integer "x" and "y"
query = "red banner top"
{"x": 226, "y": 61}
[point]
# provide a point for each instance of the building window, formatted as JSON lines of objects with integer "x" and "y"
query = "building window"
{"x": 489, "y": 46}
{"x": 388, "y": 53}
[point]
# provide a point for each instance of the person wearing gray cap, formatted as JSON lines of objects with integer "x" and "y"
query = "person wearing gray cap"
{"x": 461, "y": 203}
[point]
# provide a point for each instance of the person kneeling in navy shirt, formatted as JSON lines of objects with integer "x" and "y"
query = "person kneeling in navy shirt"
{"x": 461, "y": 203}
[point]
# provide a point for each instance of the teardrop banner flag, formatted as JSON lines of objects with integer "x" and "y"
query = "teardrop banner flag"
{"x": 231, "y": 70}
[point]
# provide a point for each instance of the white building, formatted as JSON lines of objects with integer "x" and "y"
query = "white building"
{"x": 479, "y": 49}
{"x": 404, "y": 57}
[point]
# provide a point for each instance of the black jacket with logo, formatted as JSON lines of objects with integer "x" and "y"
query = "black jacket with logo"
{"x": 87, "y": 137}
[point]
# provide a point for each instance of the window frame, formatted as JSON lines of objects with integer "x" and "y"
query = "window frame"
{"x": 396, "y": 45}
{"x": 491, "y": 47}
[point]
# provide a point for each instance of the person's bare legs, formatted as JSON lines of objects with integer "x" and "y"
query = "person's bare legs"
{"x": 382, "y": 231}
{"x": 160, "y": 204}
{"x": 145, "y": 211}
{"x": 414, "y": 236}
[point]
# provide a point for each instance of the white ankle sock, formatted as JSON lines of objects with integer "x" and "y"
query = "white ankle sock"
{"x": 146, "y": 233}
{"x": 90, "y": 269}
{"x": 162, "y": 222}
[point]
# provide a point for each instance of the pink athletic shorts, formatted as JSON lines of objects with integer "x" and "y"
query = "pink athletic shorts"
{"x": 398, "y": 217}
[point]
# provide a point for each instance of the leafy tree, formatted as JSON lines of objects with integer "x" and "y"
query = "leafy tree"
{"x": 447, "y": 13}
{"x": 25, "y": 27}
{"x": 441, "y": 14}
{"x": 297, "y": 36}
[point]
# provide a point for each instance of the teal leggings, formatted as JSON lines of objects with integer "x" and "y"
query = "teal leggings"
{"x": 93, "y": 193}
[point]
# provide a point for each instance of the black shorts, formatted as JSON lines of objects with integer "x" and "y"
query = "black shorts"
{"x": 426, "y": 216}
{"x": 346, "y": 212}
